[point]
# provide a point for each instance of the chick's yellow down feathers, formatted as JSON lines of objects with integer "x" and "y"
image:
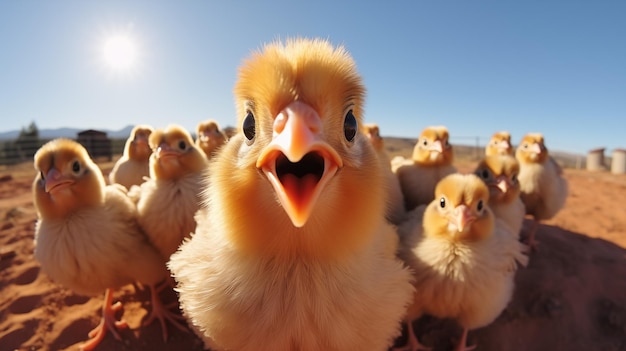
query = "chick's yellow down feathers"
{"x": 432, "y": 160}
{"x": 87, "y": 237}
{"x": 209, "y": 137}
{"x": 463, "y": 258}
{"x": 293, "y": 251}
{"x": 395, "y": 200}
{"x": 542, "y": 185}
{"x": 133, "y": 166}
{"x": 500, "y": 173}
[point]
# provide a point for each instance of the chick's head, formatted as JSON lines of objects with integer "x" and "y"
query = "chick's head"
{"x": 499, "y": 172}
{"x": 433, "y": 147}
{"x": 67, "y": 179}
{"x": 209, "y": 136}
{"x": 499, "y": 144}
{"x": 174, "y": 154}
{"x": 301, "y": 154}
{"x": 372, "y": 131}
{"x": 460, "y": 210}
{"x": 137, "y": 146}
{"x": 532, "y": 149}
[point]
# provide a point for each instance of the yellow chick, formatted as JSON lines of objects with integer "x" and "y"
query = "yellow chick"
{"x": 463, "y": 259}
{"x": 500, "y": 174}
{"x": 209, "y": 137}
{"x": 293, "y": 251}
{"x": 432, "y": 160}
{"x": 168, "y": 201}
{"x": 500, "y": 144}
{"x": 133, "y": 166}
{"x": 542, "y": 185}
{"x": 87, "y": 237}
{"x": 395, "y": 201}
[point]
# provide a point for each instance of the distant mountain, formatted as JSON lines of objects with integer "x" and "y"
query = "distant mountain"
{"x": 68, "y": 133}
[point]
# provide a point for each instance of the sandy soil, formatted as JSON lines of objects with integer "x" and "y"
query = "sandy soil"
{"x": 572, "y": 296}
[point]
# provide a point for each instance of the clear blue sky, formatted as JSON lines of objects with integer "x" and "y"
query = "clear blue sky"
{"x": 557, "y": 67}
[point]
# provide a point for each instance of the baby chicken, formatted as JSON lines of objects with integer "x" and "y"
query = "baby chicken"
{"x": 170, "y": 198}
{"x": 463, "y": 259}
{"x": 293, "y": 251}
{"x": 543, "y": 188}
{"x": 500, "y": 144}
{"x": 209, "y": 137}
{"x": 133, "y": 166}
{"x": 432, "y": 160}
{"x": 395, "y": 201}
{"x": 87, "y": 237}
{"x": 500, "y": 172}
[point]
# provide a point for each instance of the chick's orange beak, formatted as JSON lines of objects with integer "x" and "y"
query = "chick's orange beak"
{"x": 464, "y": 217}
{"x": 298, "y": 162}
{"x": 436, "y": 146}
{"x": 165, "y": 151}
{"x": 55, "y": 181}
{"x": 502, "y": 183}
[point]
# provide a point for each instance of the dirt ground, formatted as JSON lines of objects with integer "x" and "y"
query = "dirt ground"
{"x": 572, "y": 296}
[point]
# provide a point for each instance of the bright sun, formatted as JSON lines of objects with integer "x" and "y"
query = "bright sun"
{"x": 120, "y": 53}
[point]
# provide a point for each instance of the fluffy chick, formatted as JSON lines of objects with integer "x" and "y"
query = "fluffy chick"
{"x": 500, "y": 144}
{"x": 462, "y": 257}
{"x": 170, "y": 198}
{"x": 209, "y": 137}
{"x": 500, "y": 174}
{"x": 542, "y": 185}
{"x": 432, "y": 160}
{"x": 293, "y": 251}
{"x": 395, "y": 200}
{"x": 87, "y": 237}
{"x": 133, "y": 166}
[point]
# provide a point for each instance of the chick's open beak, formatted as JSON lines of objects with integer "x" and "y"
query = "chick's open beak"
{"x": 298, "y": 162}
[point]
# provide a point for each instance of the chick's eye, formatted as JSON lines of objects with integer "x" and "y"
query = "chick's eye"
{"x": 249, "y": 126}
{"x": 484, "y": 174}
{"x": 349, "y": 126}
{"x": 480, "y": 205}
{"x": 425, "y": 142}
{"x": 75, "y": 167}
{"x": 514, "y": 178}
{"x": 442, "y": 202}
{"x": 182, "y": 145}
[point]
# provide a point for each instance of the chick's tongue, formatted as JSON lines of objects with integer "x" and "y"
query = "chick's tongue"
{"x": 299, "y": 189}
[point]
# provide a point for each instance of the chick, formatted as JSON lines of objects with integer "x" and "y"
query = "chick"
{"x": 463, "y": 258}
{"x": 293, "y": 251}
{"x": 395, "y": 200}
{"x": 209, "y": 137}
{"x": 170, "y": 198}
{"x": 87, "y": 237}
{"x": 500, "y": 173}
{"x": 133, "y": 166}
{"x": 542, "y": 185}
{"x": 432, "y": 160}
{"x": 500, "y": 144}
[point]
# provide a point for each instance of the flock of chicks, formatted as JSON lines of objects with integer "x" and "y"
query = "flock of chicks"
{"x": 298, "y": 233}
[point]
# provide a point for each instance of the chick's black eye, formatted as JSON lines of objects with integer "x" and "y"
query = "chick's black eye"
{"x": 484, "y": 174}
{"x": 182, "y": 145}
{"x": 442, "y": 202}
{"x": 249, "y": 126}
{"x": 480, "y": 205}
{"x": 425, "y": 142}
{"x": 76, "y": 167}
{"x": 349, "y": 126}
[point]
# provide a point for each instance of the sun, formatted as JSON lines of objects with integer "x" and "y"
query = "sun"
{"x": 119, "y": 53}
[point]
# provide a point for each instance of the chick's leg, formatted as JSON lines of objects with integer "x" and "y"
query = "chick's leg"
{"x": 108, "y": 322}
{"x": 461, "y": 346}
{"x": 412, "y": 343}
{"x": 162, "y": 312}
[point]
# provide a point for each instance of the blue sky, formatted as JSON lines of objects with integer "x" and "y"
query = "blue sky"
{"x": 556, "y": 67}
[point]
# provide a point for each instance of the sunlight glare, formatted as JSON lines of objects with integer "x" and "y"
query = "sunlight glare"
{"x": 120, "y": 53}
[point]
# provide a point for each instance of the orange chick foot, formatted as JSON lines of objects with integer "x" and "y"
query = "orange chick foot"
{"x": 108, "y": 322}
{"x": 461, "y": 346}
{"x": 412, "y": 343}
{"x": 163, "y": 313}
